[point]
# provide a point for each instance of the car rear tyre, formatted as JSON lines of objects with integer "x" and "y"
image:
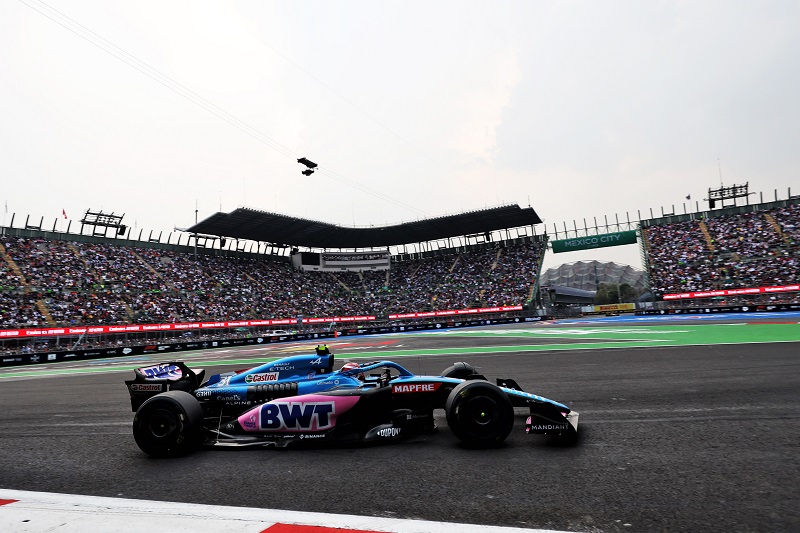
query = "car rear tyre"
{"x": 169, "y": 424}
{"x": 480, "y": 414}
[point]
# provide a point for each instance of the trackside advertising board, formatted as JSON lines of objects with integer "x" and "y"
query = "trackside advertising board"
{"x": 196, "y": 326}
{"x": 594, "y": 241}
{"x": 614, "y": 307}
{"x": 200, "y": 344}
{"x": 732, "y": 292}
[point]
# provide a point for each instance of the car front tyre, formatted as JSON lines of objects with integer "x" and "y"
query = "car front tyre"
{"x": 480, "y": 414}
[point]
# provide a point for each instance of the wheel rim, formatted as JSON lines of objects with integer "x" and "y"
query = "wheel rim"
{"x": 479, "y": 413}
{"x": 161, "y": 425}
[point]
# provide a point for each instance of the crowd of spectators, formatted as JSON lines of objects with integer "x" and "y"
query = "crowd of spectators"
{"x": 55, "y": 282}
{"x": 679, "y": 258}
{"x": 68, "y": 283}
{"x": 18, "y": 308}
{"x": 751, "y": 249}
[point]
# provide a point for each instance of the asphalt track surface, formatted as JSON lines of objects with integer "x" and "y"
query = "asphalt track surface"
{"x": 686, "y": 433}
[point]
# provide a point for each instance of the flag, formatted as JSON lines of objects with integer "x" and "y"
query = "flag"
{"x": 64, "y": 213}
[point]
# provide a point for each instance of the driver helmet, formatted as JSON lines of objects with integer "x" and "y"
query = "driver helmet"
{"x": 350, "y": 366}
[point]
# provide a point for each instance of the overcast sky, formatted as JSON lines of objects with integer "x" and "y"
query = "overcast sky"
{"x": 412, "y": 109}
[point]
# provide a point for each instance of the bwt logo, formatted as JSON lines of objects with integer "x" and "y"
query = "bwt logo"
{"x": 308, "y": 415}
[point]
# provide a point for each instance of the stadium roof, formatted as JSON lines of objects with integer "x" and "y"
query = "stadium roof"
{"x": 254, "y": 225}
{"x": 570, "y": 291}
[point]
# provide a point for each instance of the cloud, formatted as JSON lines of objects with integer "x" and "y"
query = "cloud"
{"x": 587, "y": 108}
{"x": 481, "y": 108}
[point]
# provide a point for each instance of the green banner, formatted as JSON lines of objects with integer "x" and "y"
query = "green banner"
{"x": 594, "y": 241}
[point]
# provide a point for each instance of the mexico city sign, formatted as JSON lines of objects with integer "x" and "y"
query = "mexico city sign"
{"x": 594, "y": 241}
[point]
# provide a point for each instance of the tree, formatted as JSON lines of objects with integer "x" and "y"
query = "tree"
{"x": 613, "y": 293}
{"x": 628, "y": 294}
{"x": 606, "y": 294}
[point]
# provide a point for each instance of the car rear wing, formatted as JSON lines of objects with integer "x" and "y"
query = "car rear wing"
{"x": 162, "y": 377}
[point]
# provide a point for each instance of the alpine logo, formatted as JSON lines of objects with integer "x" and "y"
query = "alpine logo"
{"x": 405, "y": 388}
{"x": 261, "y": 378}
{"x": 297, "y": 415}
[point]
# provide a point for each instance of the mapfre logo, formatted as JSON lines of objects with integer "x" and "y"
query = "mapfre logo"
{"x": 261, "y": 378}
{"x": 406, "y": 388}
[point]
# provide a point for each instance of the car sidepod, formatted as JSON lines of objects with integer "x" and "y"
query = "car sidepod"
{"x": 345, "y": 416}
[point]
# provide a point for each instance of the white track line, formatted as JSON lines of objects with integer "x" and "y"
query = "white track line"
{"x": 39, "y": 512}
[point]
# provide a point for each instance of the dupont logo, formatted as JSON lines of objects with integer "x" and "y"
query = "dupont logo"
{"x": 406, "y": 388}
{"x": 261, "y": 378}
{"x": 145, "y": 387}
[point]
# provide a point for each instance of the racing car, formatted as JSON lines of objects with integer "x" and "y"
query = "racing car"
{"x": 302, "y": 399}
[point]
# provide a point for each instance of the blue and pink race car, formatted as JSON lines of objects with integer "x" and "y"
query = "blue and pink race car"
{"x": 302, "y": 399}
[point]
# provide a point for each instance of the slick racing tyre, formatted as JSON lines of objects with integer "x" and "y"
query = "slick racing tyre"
{"x": 480, "y": 414}
{"x": 169, "y": 424}
{"x": 459, "y": 371}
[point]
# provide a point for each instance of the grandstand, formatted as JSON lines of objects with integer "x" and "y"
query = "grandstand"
{"x": 51, "y": 280}
{"x": 746, "y": 255}
{"x": 246, "y": 268}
